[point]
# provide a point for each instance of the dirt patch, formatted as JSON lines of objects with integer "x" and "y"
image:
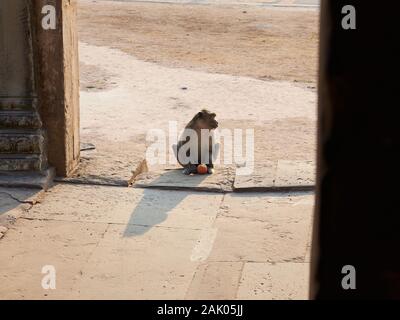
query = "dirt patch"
{"x": 94, "y": 78}
{"x": 265, "y": 43}
{"x": 289, "y": 139}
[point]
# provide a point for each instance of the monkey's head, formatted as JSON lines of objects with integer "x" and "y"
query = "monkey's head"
{"x": 205, "y": 120}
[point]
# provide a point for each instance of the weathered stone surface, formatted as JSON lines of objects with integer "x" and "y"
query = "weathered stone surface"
{"x": 57, "y": 63}
{"x": 18, "y": 104}
{"x": 19, "y": 120}
{"x": 281, "y": 175}
{"x": 130, "y": 243}
{"x": 111, "y": 163}
{"x": 295, "y": 173}
{"x": 38, "y": 180}
{"x": 22, "y": 162}
{"x": 16, "y": 76}
{"x": 280, "y": 281}
{"x": 14, "y": 202}
{"x": 215, "y": 280}
{"x": 220, "y": 181}
{"x": 143, "y": 207}
{"x": 262, "y": 228}
{"x": 240, "y": 240}
{"x": 21, "y": 143}
{"x": 267, "y": 176}
{"x": 32, "y": 244}
{"x": 263, "y": 177}
{"x": 155, "y": 265}
{"x": 7, "y": 195}
{"x": 269, "y": 207}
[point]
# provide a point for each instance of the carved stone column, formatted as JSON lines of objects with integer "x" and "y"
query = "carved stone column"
{"x": 39, "y": 91}
{"x": 22, "y": 139}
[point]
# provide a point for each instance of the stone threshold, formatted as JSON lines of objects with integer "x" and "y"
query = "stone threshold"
{"x": 269, "y": 176}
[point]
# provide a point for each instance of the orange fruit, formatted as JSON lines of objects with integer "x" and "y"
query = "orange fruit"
{"x": 202, "y": 169}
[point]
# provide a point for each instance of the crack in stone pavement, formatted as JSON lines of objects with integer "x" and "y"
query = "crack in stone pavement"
{"x": 31, "y": 202}
{"x": 112, "y": 223}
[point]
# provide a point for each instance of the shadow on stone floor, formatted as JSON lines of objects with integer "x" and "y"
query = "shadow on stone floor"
{"x": 13, "y": 201}
{"x": 146, "y": 215}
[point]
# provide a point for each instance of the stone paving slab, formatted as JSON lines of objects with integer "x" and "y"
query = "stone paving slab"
{"x": 220, "y": 181}
{"x": 32, "y": 244}
{"x": 14, "y": 202}
{"x": 154, "y": 265}
{"x": 239, "y": 240}
{"x": 281, "y": 175}
{"x": 215, "y": 281}
{"x": 263, "y": 228}
{"x": 281, "y": 281}
{"x": 295, "y": 173}
{"x": 269, "y": 207}
{"x": 143, "y": 207}
{"x": 263, "y": 177}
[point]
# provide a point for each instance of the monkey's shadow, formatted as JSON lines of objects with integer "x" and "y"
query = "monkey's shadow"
{"x": 156, "y": 204}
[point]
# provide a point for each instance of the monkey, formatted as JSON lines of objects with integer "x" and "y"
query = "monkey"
{"x": 202, "y": 120}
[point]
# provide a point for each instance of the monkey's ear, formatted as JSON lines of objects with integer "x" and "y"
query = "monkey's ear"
{"x": 199, "y": 114}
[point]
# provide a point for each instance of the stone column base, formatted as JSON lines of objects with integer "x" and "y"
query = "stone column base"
{"x": 27, "y": 179}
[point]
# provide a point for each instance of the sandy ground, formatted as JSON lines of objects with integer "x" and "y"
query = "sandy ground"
{"x": 264, "y": 43}
{"x": 144, "y": 96}
{"x": 139, "y": 58}
{"x": 164, "y": 62}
